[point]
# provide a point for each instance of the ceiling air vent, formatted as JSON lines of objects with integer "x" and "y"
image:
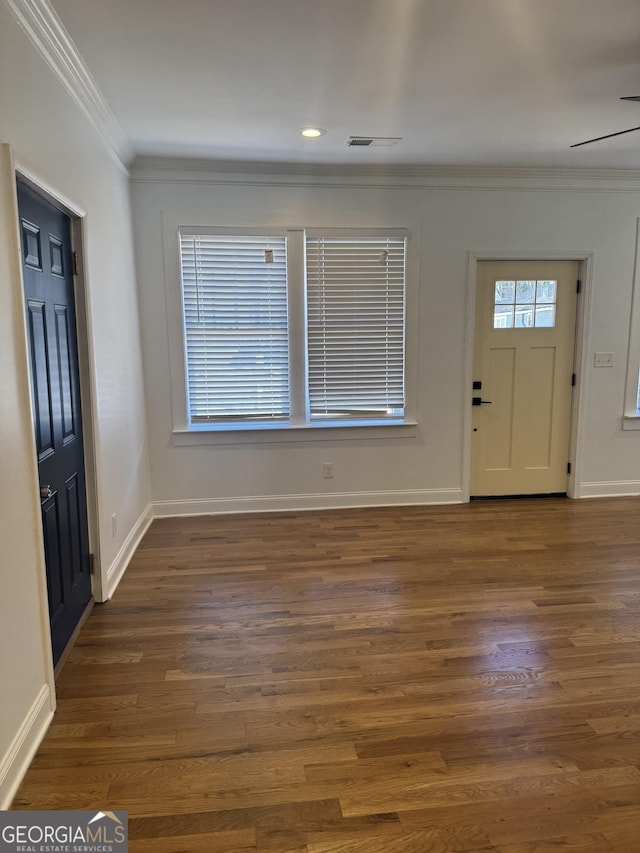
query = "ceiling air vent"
{"x": 372, "y": 141}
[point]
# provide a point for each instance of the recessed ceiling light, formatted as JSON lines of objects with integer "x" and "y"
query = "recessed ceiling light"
{"x": 312, "y": 132}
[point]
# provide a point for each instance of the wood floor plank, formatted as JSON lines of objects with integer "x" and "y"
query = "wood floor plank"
{"x": 406, "y": 680}
{"x": 575, "y": 844}
{"x": 233, "y": 841}
{"x": 421, "y": 841}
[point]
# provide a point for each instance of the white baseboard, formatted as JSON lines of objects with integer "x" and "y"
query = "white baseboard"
{"x": 15, "y": 763}
{"x": 279, "y": 503}
{"x": 122, "y": 559}
{"x": 610, "y": 489}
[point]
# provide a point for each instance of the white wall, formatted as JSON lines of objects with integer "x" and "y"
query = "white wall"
{"x": 447, "y": 219}
{"x": 53, "y": 141}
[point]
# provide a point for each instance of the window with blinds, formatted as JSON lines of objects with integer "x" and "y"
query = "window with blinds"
{"x": 355, "y": 328}
{"x": 234, "y": 293}
{"x": 270, "y": 340}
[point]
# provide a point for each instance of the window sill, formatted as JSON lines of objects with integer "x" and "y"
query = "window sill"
{"x": 631, "y": 422}
{"x": 285, "y": 434}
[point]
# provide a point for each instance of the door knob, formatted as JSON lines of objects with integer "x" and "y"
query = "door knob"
{"x": 45, "y": 492}
{"x": 478, "y": 401}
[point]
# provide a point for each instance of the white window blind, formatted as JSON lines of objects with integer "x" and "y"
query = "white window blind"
{"x": 355, "y": 327}
{"x": 234, "y": 291}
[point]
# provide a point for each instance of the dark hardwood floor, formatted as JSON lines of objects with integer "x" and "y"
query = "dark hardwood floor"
{"x": 403, "y": 680}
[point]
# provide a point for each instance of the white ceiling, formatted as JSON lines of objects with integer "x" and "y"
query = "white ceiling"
{"x": 463, "y": 82}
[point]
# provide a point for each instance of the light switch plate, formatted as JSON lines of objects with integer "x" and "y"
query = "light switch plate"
{"x": 603, "y": 359}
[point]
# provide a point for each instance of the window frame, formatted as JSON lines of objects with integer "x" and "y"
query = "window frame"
{"x": 297, "y": 428}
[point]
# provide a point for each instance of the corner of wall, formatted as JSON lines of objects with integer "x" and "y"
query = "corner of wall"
{"x": 15, "y": 763}
{"x": 118, "y": 567}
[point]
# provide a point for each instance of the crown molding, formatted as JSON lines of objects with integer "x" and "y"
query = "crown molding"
{"x": 48, "y": 35}
{"x": 181, "y": 170}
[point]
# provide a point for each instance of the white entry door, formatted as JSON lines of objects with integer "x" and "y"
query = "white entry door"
{"x": 523, "y": 365}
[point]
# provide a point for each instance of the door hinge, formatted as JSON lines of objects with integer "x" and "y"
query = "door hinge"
{"x": 92, "y": 564}
{"x": 578, "y": 286}
{"x": 573, "y": 379}
{"x": 568, "y": 467}
{"x": 74, "y": 255}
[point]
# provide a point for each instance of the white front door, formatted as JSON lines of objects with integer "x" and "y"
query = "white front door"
{"x": 523, "y": 361}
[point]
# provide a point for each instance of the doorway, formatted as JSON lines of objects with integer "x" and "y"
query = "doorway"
{"x": 523, "y": 377}
{"x": 50, "y": 309}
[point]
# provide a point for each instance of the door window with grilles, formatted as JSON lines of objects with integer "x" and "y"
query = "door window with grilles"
{"x": 524, "y": 304}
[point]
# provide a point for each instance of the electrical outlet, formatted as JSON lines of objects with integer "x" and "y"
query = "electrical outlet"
{"x": 114, "y": 525}
{"x": 327, "y": 470}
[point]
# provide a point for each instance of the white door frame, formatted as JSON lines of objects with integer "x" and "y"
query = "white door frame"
{"x": 85, "y": 362}
{"x": 585, "y": 273}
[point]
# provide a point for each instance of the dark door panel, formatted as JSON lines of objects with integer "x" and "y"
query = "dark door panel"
{"x": 55, "y": 390}
{"x": 37, "y": 325}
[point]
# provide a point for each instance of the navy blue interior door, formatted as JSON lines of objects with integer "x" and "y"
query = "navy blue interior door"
{"x": 55, "y": 389}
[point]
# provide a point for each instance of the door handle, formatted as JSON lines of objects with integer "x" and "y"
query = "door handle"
{"x": 478, "y": 401}
{"x": 45, "y": 492}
